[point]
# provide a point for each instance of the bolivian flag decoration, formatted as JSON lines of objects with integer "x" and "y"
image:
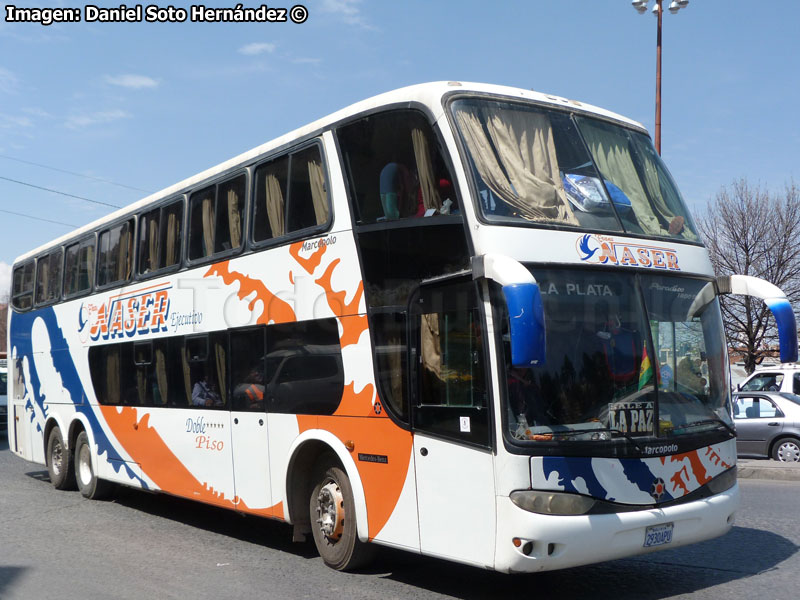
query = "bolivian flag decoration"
{"x": 645, "y": 369}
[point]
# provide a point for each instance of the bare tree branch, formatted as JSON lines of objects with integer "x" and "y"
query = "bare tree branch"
{"x": 749, "y": 231}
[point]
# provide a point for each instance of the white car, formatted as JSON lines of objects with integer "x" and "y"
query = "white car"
{"x": 779, "y": 378}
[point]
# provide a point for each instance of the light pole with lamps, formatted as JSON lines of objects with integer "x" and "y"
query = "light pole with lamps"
{"x": 674, "y": 7}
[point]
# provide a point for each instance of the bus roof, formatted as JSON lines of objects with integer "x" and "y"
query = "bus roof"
{"x": 429, "y": 94}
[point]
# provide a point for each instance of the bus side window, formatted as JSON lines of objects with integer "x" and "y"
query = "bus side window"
{"x": 391, "y": 353}
{"x": 22, "y": 287}
{"x": 79, "y": 267}
{"x": 395, "y": 168}
{"x": 48, "y": 278}
{"x": 290, "y": 195}
{"x": 216, "y": 214}
{"x": 116, "y": 254}
{"x": 247, "y": 369}
{"x": 451, "y": 392}
{"x": 305, "y": 374}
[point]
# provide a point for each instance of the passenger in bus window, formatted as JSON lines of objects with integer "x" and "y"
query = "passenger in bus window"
{"x": 204, "y": 394}
{"x": 397, "y": 186}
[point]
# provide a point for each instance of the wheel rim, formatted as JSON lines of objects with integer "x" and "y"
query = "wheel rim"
{"x": 330, "y": 511}
{"x": 85, "y": 465}
{"x": 789, "y": 452}
{"x": 56, "y": 456}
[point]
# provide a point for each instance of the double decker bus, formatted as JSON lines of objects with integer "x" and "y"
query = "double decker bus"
{"x": 467, "y": 321}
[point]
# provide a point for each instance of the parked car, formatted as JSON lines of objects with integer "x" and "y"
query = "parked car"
{"x": 767, "y": 425}
{"x": 778, "y": 378}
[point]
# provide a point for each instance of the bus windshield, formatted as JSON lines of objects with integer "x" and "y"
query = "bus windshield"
{"x": 549, "y": 167}
{"x": 636, "y": 356}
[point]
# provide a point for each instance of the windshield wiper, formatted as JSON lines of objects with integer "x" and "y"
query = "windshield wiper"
{"x": 703, "y": 423}
{"x": 600, "y": 430}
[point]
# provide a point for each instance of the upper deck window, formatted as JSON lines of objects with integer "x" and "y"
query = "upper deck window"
{"x": 396, "y": 168}
{"x": 22, "y": 287}
{"x": 48, "y": 277}
{"x": 291, "y": 195}
{"x": 216, "y": 215}
{"x": 160, "y": 238}
{"x": 544, "y": 166}
{"x": 79, "y": 267}
{"x": 116, "y": 254}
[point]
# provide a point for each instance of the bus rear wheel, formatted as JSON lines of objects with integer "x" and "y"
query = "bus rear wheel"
{"x": 90, "y": 486}
{"x": 333, "y": 521}
{"x": 59, "y": 462}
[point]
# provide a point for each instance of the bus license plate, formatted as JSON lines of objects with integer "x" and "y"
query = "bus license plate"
{"x": 658, "y": 535}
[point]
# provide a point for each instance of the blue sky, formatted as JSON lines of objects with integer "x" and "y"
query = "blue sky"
{"x": 146, "y": 105}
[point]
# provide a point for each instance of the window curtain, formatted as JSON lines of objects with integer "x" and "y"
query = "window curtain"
{"x": 208, "y": 225}
{"x": 43, "y": 280}
{"x": 141, "y": 384}
{"x": 112, "y": 376}
{"x": 396, "y": 373}
{"x": 516, "y": 157}
{"x": 152, "y": 229}
{"x": 431, "y": 343}
{"x": 123, "y": 254}
{"x": 234, "y": 219}
{"x": 318, "y": 195}
{"x": 652, "y": 182}
{"x": 427, "y": 182}
{"x": 173, "y": 240}
{"x": 612, "y": 155}
{"x": 87, "y": 268}
{"x": 161, "y": 376}
{"x": 187, "y": 376}
{"x": 275, "y": 205}
{"x": 219, "y": 353}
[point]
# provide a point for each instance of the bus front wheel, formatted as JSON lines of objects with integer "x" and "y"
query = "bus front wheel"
{"x": 90, "y": 486}
{"x": 333, "y": 521}
{"x": 59, "y": 462}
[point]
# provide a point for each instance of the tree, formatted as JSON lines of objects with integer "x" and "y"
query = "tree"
{"x": 750, "y": 231}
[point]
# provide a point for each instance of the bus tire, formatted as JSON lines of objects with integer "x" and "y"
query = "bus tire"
{"x": 333, "y": 521}
{"x": 90, "y": 486}
{"x": 59, "y": 461}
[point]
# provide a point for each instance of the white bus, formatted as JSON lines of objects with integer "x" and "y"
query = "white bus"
{"x": 468, "y": 321}
{"x": 3, "y": 393}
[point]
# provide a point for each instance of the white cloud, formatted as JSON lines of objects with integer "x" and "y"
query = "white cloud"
{"x": 134, "y": 82}
{"x": 257, "y": 48}
{"x": 97, "y": 118}
{"x": 12, "y": 122}
{"x": 306, "y": 61}
{"x": 8, "y": 81}
{"x": 5, "y": 281}
{"x": 348, "y": 10}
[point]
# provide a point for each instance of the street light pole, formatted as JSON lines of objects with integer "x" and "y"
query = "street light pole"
{"x": 658, "y": 77}
{"x": 674, "y": 7}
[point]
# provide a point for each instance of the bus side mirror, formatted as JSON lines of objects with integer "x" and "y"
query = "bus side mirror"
{"x": 777, "y": 302}
{"x": 524, "y": 302}
{"x": 526, "y": 324}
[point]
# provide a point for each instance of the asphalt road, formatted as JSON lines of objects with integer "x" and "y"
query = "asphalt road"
{"x": 58, "y": 545}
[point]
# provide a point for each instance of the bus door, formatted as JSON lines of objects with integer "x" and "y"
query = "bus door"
{"x": 452, "y": 424}
{"x": 249, "y": 438}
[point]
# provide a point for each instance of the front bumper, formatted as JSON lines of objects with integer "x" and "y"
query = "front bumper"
{"x": 558, "y": 542}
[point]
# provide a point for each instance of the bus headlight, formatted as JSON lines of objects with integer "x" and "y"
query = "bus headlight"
{"x": 552, "y": 503}
{"x": 722, "y": 482}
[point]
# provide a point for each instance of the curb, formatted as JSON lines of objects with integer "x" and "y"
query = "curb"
{"x": 768, "y": 469}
